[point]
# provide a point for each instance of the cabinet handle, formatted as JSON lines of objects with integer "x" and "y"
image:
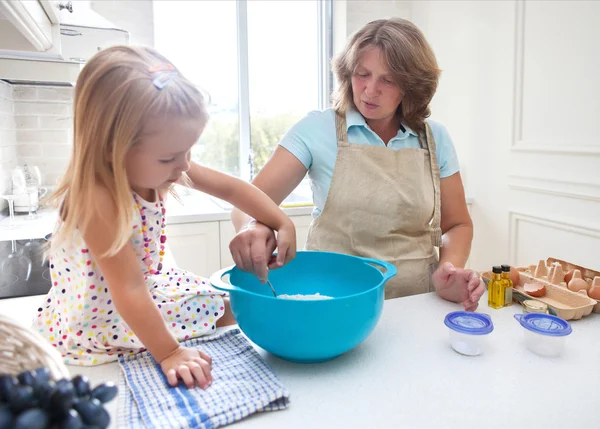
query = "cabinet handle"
{"x": 68, "y": 6}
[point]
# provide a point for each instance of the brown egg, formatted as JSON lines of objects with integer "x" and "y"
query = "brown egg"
{"x": 594, "y": 293}
{"x": 514, "y": 275}
{"x": 578, "y": 284}
{"x": 569, "y": 276}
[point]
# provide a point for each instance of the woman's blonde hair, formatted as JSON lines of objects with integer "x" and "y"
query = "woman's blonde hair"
{"x": 115, "y": 94}
{"x": 409, "y": 58}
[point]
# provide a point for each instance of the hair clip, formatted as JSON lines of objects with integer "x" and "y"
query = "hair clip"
{"x": 163, "y": 80}
{"x": 161, "y": 67}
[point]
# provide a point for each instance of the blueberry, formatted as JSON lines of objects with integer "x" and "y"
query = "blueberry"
{"x": 35, "y": 418}
{"x": 66, "y": 384}
{"x": 43, "y": 392}
{"x": 22, "y": 399}
{"x": 42, "y": 376}
{"x": 71, "y": 421}
{"x": 6, "y": 419}
{"x": 8, "y": 383}
{"x": 93, "y": 413}
{"x": 61, "y": 400}
{"x": 105, "y": 392}
{"x": 27, "y": 378}
{"x": 81, "y": 385}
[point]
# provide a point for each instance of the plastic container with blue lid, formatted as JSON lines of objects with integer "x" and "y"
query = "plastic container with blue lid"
{"x": 468, "y": 331}
{"x": 544, "y": 334}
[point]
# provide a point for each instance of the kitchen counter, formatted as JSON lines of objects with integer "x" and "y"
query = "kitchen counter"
{"x": 194, "y": 207}
{"x": 406, "y": 375}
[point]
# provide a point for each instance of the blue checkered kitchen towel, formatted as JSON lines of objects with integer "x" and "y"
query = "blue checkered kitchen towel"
{"x": 243, "y": 384}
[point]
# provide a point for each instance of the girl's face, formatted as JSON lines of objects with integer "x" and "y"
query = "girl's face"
{"x": 375, "y": 93}
{"x": 162, "y": 154}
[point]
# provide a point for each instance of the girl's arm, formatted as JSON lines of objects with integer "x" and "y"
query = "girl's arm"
{"x": 127, "y": 285}
{"x": 251, "y": 200}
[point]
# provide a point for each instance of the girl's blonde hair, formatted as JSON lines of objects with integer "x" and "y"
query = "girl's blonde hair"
{"x": 409, "y": 58}
{"x": 115, "y": 94}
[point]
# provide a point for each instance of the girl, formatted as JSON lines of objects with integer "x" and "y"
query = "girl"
{"x": 136, "y": 119}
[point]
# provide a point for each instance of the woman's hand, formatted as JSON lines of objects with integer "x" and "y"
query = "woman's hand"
{"x": 189, "y": 365}
{"x": 253, "y": 246}
{"x": 458, "y": 285}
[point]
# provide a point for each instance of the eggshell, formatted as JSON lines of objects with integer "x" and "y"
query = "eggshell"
{"x": 535, "y": 289}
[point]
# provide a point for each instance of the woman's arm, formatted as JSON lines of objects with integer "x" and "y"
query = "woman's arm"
{"x": 452, "y": 282}
{"x": 456, "y": 224}
{"x": 282, "y": 173}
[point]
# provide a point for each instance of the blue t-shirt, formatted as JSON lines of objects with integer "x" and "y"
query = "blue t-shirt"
{"x": 313, "y": 141}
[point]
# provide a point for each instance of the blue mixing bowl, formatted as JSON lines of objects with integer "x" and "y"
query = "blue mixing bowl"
{"x": 309, "y": 330}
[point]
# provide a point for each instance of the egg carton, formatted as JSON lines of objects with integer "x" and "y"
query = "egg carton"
{"x": 587, "y": 273}
{"x": 561, "y": 301}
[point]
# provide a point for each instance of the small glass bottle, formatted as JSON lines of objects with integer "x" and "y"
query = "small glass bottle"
{"x": 496, "y": 289}
{"x": 532, "y": 306}
{"x": 508, "y": 285}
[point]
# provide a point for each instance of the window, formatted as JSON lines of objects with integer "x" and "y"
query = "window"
{"x": 265, "y": 64}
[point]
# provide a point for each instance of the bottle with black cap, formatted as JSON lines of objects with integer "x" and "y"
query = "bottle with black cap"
{"x": 508, "y": 285}
{"x": 496, "y": 289}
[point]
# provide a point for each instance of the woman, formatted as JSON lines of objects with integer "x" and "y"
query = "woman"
{"x": 385, "y": 180}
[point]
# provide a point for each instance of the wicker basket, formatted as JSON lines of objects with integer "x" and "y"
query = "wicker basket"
{"x": 21, "y": 349}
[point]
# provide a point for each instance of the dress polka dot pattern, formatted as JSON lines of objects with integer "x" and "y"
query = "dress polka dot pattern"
{"x": 79, "y": 318}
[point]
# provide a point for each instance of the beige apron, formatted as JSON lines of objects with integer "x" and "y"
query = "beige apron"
{"x": 384, "y": 204}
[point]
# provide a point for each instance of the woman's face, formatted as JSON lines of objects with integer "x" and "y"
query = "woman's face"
{"x": 376, "y": 94}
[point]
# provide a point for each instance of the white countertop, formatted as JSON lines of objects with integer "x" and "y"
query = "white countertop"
{"x": 405, "y": 375}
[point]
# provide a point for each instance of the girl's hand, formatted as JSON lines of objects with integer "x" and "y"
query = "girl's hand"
{"x": 458, "y": 285}
{"x": 189, "y": 365}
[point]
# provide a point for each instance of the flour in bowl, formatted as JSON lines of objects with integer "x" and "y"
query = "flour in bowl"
{"x": 316, "y": 296}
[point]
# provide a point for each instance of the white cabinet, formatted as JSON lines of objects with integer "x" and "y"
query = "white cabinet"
{"x": 195, "y": 246}
{"x": 227, "y": 232}
{"x": 30, "y": 26}
{"x": 49, "y": 41}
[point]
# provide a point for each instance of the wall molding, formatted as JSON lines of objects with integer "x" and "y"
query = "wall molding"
{"x": 556, "y": 187}
{"x": 554, "y": 149}
{"x": 515, "y": 218}
{"x": 518, "y": 144}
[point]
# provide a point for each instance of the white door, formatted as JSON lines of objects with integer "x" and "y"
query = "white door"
{"x": 520, "y": 96}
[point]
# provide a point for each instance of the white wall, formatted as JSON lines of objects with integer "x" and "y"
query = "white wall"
{"x": 44, "y": 128}
{"x": 519, "y": 94}
{"x": 350, "y": 16}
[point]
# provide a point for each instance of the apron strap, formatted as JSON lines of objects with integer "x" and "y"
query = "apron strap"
{"x": 341, "y": 130}
{"x": 436, "y": 230}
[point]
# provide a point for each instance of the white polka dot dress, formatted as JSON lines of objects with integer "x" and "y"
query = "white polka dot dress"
{"x": 79, "y": 318}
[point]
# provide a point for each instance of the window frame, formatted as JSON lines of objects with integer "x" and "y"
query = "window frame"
{"x": 325, "y": 77}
